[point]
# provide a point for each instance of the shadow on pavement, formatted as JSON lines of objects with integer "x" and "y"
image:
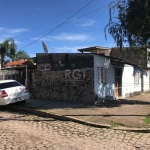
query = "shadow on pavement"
{"x": 51, "y": 104}
{"x": 46, "y": 104}
{"x": 109, "y": 115}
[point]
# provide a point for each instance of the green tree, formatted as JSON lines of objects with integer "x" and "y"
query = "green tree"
{"x": 131, "y": 26}
{"x": 21, "y": 54}
{"x": 7, "y": 49}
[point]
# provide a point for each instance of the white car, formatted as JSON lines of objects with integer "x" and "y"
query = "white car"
{"x": 12, "y": 91}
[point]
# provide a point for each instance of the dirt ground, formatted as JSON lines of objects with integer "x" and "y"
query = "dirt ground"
{"x": 128, "y": 112}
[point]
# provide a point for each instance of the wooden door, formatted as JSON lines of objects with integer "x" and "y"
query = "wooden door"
{"x": 118, "y": 82}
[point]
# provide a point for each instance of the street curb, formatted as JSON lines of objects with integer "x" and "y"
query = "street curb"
{"x": 66, "y": 118}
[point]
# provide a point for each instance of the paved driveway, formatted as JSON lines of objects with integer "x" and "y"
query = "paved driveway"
{"x": 23, "y": 132}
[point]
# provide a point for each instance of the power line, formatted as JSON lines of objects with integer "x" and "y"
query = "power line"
{"x": 92, "y": 11}
{"x": 68, "y": 22}
{"x": 50, "y": 19}
{"x": 89, "y": 38}
{"x": 58, "y": 25}
{"x": 96, "y": 32}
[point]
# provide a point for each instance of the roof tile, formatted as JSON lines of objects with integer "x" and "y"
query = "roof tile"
{"x": 16, "y": 63}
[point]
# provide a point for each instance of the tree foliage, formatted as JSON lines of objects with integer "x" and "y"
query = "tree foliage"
{"x": 7, "y": 48}
{"x": 21, "y": 54}
{"x": 8, "y": 51}
{"x": 131, "y": 26}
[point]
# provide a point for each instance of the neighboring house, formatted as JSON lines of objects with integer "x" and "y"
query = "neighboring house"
{"x": 116, "y": 78}
{"x": 123, "y": 75}
{"x": 87, "y": 77}
{"x": 18, "y": 70}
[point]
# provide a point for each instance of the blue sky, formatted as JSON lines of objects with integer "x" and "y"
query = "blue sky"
{"x": 27, "y": 21}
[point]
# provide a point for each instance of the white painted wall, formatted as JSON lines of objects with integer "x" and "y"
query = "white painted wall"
{"x": 102, "y": 90}
{"x": 128, "y": 86}
{"x": 146, "y": 81}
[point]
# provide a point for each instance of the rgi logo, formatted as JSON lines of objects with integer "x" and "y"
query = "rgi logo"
{"x": 75, "y": 75}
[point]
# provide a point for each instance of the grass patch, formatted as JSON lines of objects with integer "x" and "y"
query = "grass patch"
{"x": 147, "y": 119}
{"x": 114, "y": 124}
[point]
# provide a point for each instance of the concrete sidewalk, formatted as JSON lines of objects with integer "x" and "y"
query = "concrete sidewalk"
{"x": 124, "y": 113}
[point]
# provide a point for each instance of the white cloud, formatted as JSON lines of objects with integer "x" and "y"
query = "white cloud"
{"x": 6, "y": 36}
{"x": 10, "y": 33}
{"x": 71, "y": 37}
{"x": 66, "y": 49}
{"x": 19, "y": 30}
{"x": 65, "y": 37}
{"x": 109, "y": 44}
{"x": 1, "y": 28}
{"x": 90, "y": 22}
{"x": 48, "y": 38}
{"x": 17, "y": 42}
{"x": 32, "y": 55}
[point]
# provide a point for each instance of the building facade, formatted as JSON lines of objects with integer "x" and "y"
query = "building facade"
{"x": 88, "y": 77}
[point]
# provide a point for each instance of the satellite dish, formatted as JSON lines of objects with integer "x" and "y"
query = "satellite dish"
{"x": 45, "y": 47}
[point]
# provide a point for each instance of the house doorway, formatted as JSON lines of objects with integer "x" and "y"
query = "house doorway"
{"x": 118, "y": 82}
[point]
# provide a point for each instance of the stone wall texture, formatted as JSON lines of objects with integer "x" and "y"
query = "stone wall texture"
{"x": 54, "y": 85}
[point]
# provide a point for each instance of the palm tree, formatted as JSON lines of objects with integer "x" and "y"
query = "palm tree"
{"x": 7, "y": 48}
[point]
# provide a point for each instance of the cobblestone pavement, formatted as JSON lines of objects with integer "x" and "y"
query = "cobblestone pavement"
{"x": 29, "y": 132}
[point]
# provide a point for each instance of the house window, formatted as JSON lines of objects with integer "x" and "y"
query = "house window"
{"x": 101, "y": 75}
{"x": 45, "y": 67}
{"x": 42, "y": 67}
{"x": 136, "y": 77}
{"x": 48, "y": 67}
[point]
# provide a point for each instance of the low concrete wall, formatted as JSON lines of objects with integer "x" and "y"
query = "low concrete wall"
{"x": 53, "y": 85}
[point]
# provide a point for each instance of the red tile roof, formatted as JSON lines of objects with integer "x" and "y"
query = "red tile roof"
{"x": 19, "y": 62}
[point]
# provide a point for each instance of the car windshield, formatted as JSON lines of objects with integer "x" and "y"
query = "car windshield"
{"x": 9, "y": 84}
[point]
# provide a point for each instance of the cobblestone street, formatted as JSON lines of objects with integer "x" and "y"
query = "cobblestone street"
{"x": 26, "y": 132}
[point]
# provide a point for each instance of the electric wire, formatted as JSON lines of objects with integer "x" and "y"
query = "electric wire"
{"x": 67, "y": 22}
{"x": 89, "y": 38}
{"x": 58, "y": 25}
{"x": 50, "y": 20}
